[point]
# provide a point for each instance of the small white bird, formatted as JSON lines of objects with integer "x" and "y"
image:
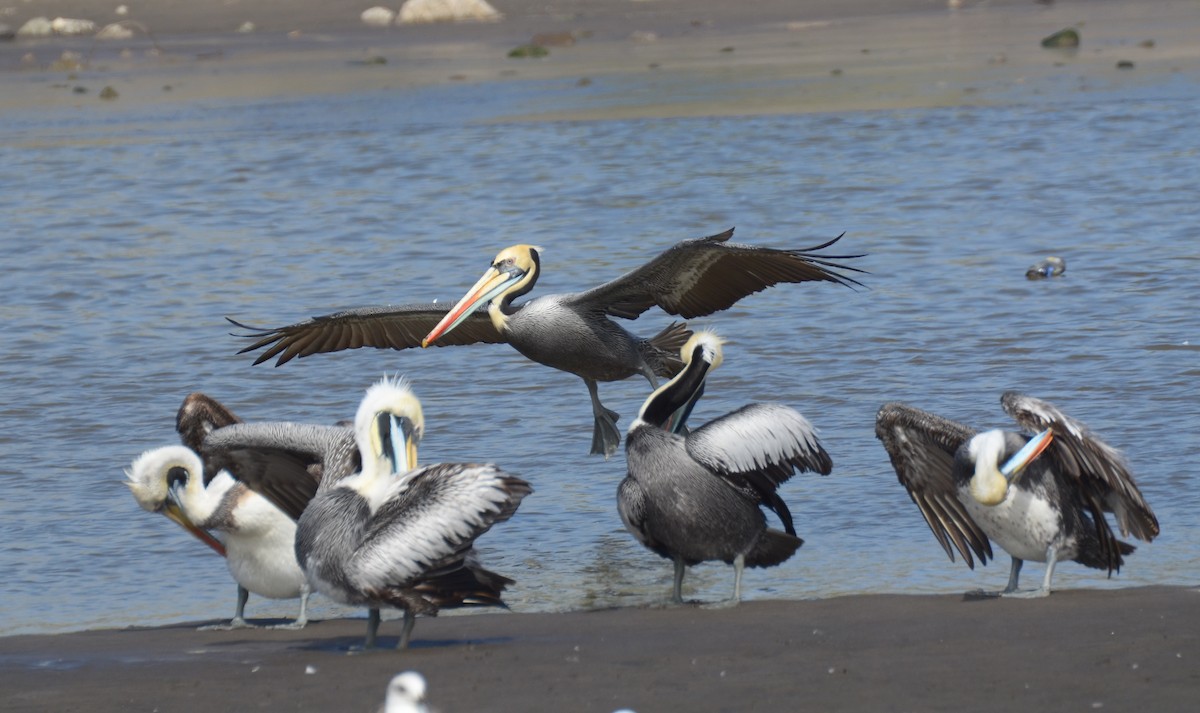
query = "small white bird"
{"x": 406, "y": 694}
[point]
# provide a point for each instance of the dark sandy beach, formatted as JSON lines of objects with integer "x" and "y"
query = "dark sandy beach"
{"x": 1077, "y": 650}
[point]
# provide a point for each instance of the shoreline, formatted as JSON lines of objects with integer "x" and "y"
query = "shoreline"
{"x": 827, "y": 58}
{"x": 1077, "y": 649}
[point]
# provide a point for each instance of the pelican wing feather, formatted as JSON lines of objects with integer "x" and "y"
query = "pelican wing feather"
{"x": 698, "y": 277}
{"x": 758, "y": 447}
{"x": 381, "y": 327}
{"x": 283, "y": 462}
{"x": 198, "y": 416}
{"x": 434, "y": 514}
{"x": 921, "y": 446}
{"x": 1099, "y": 469}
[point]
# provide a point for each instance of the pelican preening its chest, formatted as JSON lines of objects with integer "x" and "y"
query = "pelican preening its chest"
{"x": 373, "y": 529}
{"x": 571, "y": 332}
{"x": 696, "y": 497}
{"x": 1041, "y": 498}
{"x": 256, "y": 537}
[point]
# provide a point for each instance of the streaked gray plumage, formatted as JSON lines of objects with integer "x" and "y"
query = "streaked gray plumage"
{"x": 1051, "y": 511}
{"x": 570, "y": 332}
{"x": 697, "y": 497}
{"x": 372, "y": 530}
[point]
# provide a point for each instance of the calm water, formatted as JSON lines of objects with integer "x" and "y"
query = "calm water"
{"x": 128, "y": 237}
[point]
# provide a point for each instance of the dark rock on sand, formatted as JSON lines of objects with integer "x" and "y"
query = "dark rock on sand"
{"x": 1063, "y": 39}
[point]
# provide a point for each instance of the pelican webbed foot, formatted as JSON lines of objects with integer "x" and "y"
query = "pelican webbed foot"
{"x": 605, "y": 435}
{"x": 1027, "y": 594}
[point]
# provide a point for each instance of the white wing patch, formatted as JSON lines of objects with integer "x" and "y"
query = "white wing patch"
{"x": 755, "y": 437}
{"x": 430, "y": 514}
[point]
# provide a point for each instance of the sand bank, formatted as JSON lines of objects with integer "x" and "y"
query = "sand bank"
{"x": 1076, "y": 650}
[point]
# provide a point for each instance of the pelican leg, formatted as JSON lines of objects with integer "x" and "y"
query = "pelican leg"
{"x": 406, "y": 633}
{"x": 239, "y": 620}
{"x": 372, "y": 628}
{"x": 677, "y": 592}
{"x": 1051, "y": 560}
{"x": 1014, "y": 574}
{"x": 605, "y": 436}
{"x": 739, "y": 565}
{"x": 302, "y": 618}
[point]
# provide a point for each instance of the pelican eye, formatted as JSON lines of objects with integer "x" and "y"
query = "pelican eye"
{"x": 177, "y": 474}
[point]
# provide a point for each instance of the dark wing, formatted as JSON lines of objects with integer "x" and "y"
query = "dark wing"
{"x": 922, "y": 447}
{"x": 283, "y": 462}
{"x": 431, "y": 517}
{"x": 198, "y": 416}
{"x": 758, "y": 447}
{"x": 382, "y": 327}
{"x": 1098, "y": 468}
{"x": 695, "y": 278}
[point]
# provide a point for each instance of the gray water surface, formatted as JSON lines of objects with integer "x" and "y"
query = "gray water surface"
{"x": 130, "y": 235}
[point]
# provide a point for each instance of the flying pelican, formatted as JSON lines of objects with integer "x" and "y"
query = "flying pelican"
{"x": 376, "y": 531}
{"x": 1041, "y": 498}
{"x": 569, "y": 332}
{"x": 693, "y": 498}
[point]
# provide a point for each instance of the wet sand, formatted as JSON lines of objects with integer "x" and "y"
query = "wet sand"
{"x": 1074, "y": 651}
{"x": 628, "y": 59}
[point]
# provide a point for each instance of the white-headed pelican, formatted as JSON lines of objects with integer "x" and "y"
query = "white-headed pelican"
{"x": 256, "y": 537}
{"x": 570, "y": 332}
{"x": 696, "y": 497}
{"x": 1040, "y": 497}
{"x": 376, "y": 531}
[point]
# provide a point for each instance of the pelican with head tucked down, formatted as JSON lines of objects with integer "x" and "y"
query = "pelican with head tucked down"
{"x": 376, "y": 530}
{"x": 696, "y": 497}
{"x": 570, "y": 332}
{"x": 257, "y": 537}
{"x": 1040, "y": 497}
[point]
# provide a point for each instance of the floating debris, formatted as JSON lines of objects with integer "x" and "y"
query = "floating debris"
{"x": 1125, "y": 64}
{"x": 108, "y": 93}
{"x": 246, "y": 27}
{"x": 1052, "y": 266}
{"x": 1063, "y": 39}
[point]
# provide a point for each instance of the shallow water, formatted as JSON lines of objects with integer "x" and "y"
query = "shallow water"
{"x": 133, "y": 233}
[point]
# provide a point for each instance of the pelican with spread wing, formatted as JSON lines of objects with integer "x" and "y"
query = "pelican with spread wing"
{"x": 1040, "y": 494}
{"x": 696, "y": 497}
{"x": 571, "y": 332}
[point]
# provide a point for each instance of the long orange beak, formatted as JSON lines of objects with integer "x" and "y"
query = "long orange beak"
{"x": 1028, "y": 453}
{"x": 493, "y": 283}
{"x": 172, "y": 511}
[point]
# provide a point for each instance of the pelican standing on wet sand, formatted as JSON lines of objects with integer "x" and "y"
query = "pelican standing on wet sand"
{"x": 377, "y": 531}
{"x": 1042, "y": 497}
{"x": 570, "y": 332}
{"x": 696, "y": 497}
{"x": 257, "y": 537}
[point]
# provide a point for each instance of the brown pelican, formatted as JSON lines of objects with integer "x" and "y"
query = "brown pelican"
{"x": 1041, "y": 497}
{"x": 374, "y": 530}
{"x": 259, "y": 539}
{"x": 694, "y": 498}
{"x": 570, "y": 332}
